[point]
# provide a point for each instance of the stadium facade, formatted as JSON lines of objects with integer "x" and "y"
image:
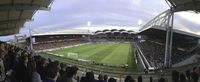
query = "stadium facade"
{"x": 151, "y": 41}
{"x": 158, "y": 44}
{"x": 79, "y": 35}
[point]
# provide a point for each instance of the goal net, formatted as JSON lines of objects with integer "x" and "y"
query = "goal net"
{"x": 72, "y": 55}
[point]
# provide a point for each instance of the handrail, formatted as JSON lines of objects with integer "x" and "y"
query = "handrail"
{"x": 144, "y": 57}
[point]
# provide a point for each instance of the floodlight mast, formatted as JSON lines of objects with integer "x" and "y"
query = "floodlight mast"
{"x": 88, "y": 25}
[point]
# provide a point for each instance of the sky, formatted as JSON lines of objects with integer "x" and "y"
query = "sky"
{"x": 67, "y": 14}
{"x": 76, "y": 13}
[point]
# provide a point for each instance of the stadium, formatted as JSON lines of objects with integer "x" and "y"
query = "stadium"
{"x": 97, "y": 49}
{"x": 157, "y": 52}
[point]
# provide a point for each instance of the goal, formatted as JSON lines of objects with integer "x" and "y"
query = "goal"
{"x": 72, "y": 55}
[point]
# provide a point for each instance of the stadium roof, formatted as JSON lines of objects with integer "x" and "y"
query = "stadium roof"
{"x": 184, "y": 5}
{"x": 62, "y": 32}
{"x": 158, "y": 28}
{"x": 82, "y": 30}
{"x": 14, "y": 13}
{"x": 180, "y": 38}
{"x": 115, "y": 31}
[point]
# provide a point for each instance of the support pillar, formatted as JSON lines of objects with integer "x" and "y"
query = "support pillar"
{"x": 169, "y": 38}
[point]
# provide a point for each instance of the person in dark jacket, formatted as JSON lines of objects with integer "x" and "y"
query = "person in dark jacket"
{"x": 52, "y": 72}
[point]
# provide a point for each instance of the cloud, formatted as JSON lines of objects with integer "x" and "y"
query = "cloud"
{"x": 76, "y": 13}
{"x": 136, "y": 1}
{"x": 128, "y": 13}
{"x": 72, "y": 13}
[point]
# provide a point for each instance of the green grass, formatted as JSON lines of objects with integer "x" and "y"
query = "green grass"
{"x": 118, "y": 53}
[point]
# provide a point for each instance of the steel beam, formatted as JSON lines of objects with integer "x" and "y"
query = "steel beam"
{"x": 8, "y": 31}
{"x": 169, "y": 40}
{"x": 14, "y": 21}
{"x": 22, "y": 7}
{"x": 146, "y": 26}
{"x": 172, "y": 3}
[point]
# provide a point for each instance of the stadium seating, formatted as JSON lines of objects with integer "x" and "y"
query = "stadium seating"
{"x": 113, "y": 35}
{"x": 56, "y": 44}
{"x": 154, "y": 52}
{"x": 18, "y": 65}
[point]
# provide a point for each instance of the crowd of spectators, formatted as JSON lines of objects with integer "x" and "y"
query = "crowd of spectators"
{"x": 112, "y": 36}
{"x": 187, "y": 76}
{"x": 18, "y": 65}
{"x": 155, "y": 53}
{"x": 55, "y": 44}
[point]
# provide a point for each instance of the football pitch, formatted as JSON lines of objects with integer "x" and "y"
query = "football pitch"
{"x": 109, "y": 53}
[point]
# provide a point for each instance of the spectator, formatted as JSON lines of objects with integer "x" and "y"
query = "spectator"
{"x": 83, "y": 79}
{"x": 2, "y": 71}
{"x": 199, "y": 70}
{"x": 151, "y": 79}
{"x": 2, "y": 50}
{"x": 57, "y": 63}
{"x": 187, "y": 72}
{"x": 70, "y": 75}
{"x": 112, "y": 80}
{"x": 21, "y": 72}
{"x": 194, "y": 69}
{"x": 52, "y": 72}
{"x": 139, "y": 79}
{"x": 194, "y": 77}
{"x": 182, "y": 78}
{"x": 41, "y": 64}
{"x": 100, "y": 78}
{"x": 129, "y": 79}
{"x": 105, "y": 78}
{"x": 161, "y": 80}
{"x": 33, "y": 75}
{"x": 90, "y": 77}
{"x": 63, "y": 68}
{"x": 175, "y": 76}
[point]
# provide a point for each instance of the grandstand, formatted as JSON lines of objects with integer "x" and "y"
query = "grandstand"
{"x": 153, "y": 52}
{"x": 66, "y": 37}
{"x": 113, "y": 35}
{"x": 89, "y": 49}
{"x": 153, "y": 46}
{"x": 57, "y": 39}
